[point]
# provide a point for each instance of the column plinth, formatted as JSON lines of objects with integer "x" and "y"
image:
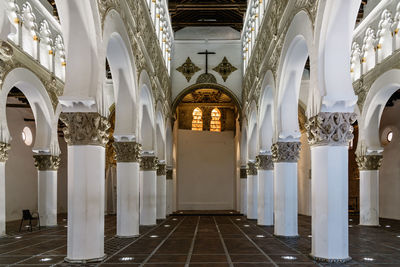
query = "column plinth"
{"x": 148, "y": 189}
{"x": 329, "y": 135}
{"x": 265, "y": 211}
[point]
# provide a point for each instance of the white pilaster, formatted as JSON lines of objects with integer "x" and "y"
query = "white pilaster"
{"x": 148, "y": 190}
{"x": 2, "y": 198}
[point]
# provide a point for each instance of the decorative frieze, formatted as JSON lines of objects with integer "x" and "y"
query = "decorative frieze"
{"x": 4, "y": 147}
{"x": 369, "y": 162}
{"x": 148, "y": 163}
{"x": 85, "y": 128}
{"x": 127, "y": 151}
{"x": 285, "y": 151}
{"x": 46, "y": 162}
{"x": 161, "y": 169}
{"x": 330, "y": 129}
{"x": 251, "y": 168}
{"x": 243, "y": 172}
{"x": 170, "y": 173}
{"x": 264, "y": 162}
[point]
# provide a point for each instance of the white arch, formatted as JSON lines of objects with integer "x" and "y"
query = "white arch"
{"x": 146, "y": 114}
{"x": 120, "y": 57}
{"x": 243, "y": 143}
{"x": 296, "y": 49}
{"x": 379, "y": 93}
{"x": 252, "y": 141}
{"x": 41, "y": 106}
{"x": 160, "y": 133}
{"x": 266, "y": 114}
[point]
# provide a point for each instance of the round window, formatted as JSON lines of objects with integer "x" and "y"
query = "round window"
{"x": 27, "y": 136}
{"x": 389, "y": 136}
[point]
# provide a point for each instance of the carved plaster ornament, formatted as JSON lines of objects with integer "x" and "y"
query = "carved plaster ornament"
{"x": 161, "y": 169}
{"x": 148, "y": 163}
{"x": 188, "y": 69}
{"x": 330, "y": 129}
{"x": 169, "y": 174}
{"x": 85, "y": 128}
{"x": 264, "y": 162}
{"x": 225, "y": 68}
{"x": 46, "y": 162}
{"x": 251, "y": 168}
{"x": 127, "y": 151}
{"x": 4, "y": 148}
{"x": 6, "y": 51}
{"x": 369, "y": 162}
{"x": 243, "y": 172}
{"x": 206, "y": 78}
{"x": 285, "y": 151}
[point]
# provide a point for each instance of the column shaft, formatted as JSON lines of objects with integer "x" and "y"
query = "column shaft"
{"x": 47, "y": 197}
{"x": 2, "y": 198}
{"x": 161, "y": 191}
{"x": 265, "y": 190}
{"x": 148, "y": 190}
{"x": 252, "y": 191}
{"x": 243, "y": 190}
{"x": 169, "y": 192}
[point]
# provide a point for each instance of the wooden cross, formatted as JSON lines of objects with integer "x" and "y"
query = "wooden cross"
{"x": 206, "y": 53}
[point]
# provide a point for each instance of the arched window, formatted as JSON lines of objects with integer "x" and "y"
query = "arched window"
{"x": 197, "y": 121}
{"x": 215, "y": 124}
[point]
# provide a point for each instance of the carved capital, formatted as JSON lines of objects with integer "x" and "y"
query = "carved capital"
{"x": 46, "y": 162}
{"x": 161, "y": 169}
{"x": 85, "y": 128}
{"x": 127, "y": 151}
{"x": 148, "y": 163}
{"x": 4, "y": 147}
{"x": 330, "y": 129}
{"x": 264, "y": 162}
{"x": 251, "y": 168}
{"x": 369, "y": 162}
{"x": 243, "y": 172}
{"x": 170, "y": 174}
{"x": 285, "y": 151}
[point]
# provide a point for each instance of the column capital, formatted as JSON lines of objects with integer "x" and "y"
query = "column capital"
{"x": 243, "y": 172}
{"x": 285, "y": 151}
{"x": 369, "y": 162}
{"x": 148, "y": 163}
{"x": 264, "y": 162}
{"x": 161, "y": 169}
{"x": 127, "y": 151}
{"x": 4, "y": 147}
{"x": 46, "y": 162}
{"x": 85, "y": 128}
{"x": 330, "y": 129}
{"x": 251, "y": 168}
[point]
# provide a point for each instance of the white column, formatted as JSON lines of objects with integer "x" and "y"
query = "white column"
{"x": 328, "y": 136}
{"x": 252, "y": 190}
{"x": 285, "y": 156}
{"x": 161, "y": 191}
{"x": 148, "y": 190}
{"x": 369, "y": 189}
{"x": 169, "y": 190}
{"x": 265, "y": 190}
{"x": 86, "y": 135}
{"x": 127, "y": 188}
{"x": 243, "y": 190}
{"x": 47, "y": 166}
{"x": 3, "y": 158}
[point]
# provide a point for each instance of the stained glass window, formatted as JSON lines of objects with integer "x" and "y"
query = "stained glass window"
{"x": 197, "y": 121}
{"x": 215, "y": 124}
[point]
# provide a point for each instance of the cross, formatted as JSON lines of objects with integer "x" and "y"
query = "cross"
{"x": 206, "y": 53}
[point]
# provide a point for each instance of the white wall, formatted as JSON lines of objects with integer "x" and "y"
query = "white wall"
{"x": 186, "y": 46}
{"x": 206, "y": 173}
{"x": 21, "y": 174}
{"x": 304, "y": 181}
{"x": 389, "y": 180}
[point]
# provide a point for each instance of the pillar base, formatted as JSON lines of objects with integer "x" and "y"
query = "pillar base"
{"x": 126, "y": 237}
{"x": 319, "y": 259}
{"x": 287, "y": 236}
{"x": 370, "y": 225}
{"x": 85, "y": 260}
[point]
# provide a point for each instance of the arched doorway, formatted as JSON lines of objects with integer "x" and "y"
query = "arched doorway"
{"x": 207, "y": 156}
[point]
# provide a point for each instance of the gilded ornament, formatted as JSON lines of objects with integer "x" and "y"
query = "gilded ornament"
{"x": 369, "y": 162}
{"x": 85, "y": 128}
{"x": 148, "y": 163}
{"x": 264, "y": 162}
{"x": 4, "y": 148}
{"x": 251, "y": 168}
{"x": 127, "y": 151}
{"x": 225, "y": 68}
{"x": 46, "y": 162}
{"x": 333, "y": 129}
{"x": 285, "y": 151}
{"x": 188, "y": 69}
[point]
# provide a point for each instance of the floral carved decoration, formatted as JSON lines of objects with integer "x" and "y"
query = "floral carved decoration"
{"x": 188, "y": 69}
{"x": 225, "y": 69}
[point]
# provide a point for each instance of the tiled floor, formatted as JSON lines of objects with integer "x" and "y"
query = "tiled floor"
{"x": 203, "y": 241}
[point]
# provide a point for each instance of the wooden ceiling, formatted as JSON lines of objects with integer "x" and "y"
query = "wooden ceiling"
{"x": 186, "y": 13}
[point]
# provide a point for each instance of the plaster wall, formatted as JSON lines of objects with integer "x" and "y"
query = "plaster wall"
{"x": 206, "y": 171}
